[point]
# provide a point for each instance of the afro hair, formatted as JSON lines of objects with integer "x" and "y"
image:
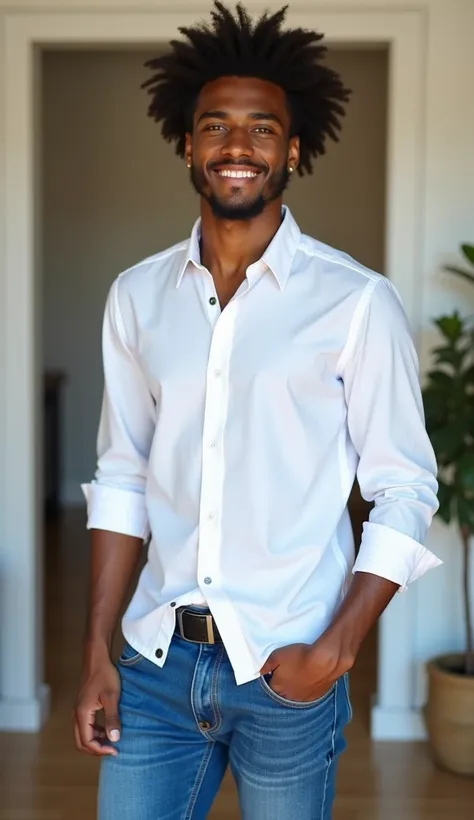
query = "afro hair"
{"x": 232, "y": 45}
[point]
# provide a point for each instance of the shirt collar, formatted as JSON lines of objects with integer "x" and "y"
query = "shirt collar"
{"x": 278, "y": 257}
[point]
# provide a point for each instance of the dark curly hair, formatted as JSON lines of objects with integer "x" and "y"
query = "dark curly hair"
{"x": 234, "y": 46}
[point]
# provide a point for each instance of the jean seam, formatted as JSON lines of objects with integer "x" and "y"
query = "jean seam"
{"x": 215, "y": 705}
{"x": 348, "y": 697}
{"x": 199, "y": 780}
{"x": 193, "y": 684}
{"x": 290, "y": 704}
{"x": 331, "y": 756}
{"x": 130, "y": 661}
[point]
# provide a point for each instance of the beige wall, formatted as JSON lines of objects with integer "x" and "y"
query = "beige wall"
{"x": 114, "y": 192}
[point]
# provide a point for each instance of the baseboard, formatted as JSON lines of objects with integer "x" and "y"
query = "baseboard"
{"x": 25, "y": 715}
{"x": 397, "y": 724}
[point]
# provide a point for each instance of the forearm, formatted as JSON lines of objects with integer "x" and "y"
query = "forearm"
{"x": 366, "y": 599}
{"x": 114, "y": 557}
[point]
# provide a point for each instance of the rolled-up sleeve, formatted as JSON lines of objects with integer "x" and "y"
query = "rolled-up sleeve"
{"x": 116, "y": 498}
{"x": 397, "y": 467}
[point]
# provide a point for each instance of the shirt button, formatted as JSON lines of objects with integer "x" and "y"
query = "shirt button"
{"x": 204, "y": 724}
{"x": 217, "y": 373}
{"x": 211, "y": 517}
{"x": 212, "y": 300}
{"x": 212, "y": 445}
{"x": 208, "y": 580}
{"x": 159, "y": 653}
{"x": 173, "y": 603}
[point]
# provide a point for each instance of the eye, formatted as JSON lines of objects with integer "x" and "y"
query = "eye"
{"x": 214, "y": 127}
{"x": 262, "y": 129}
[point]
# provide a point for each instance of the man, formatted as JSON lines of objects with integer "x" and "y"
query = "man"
{"x": 251, "y": 373}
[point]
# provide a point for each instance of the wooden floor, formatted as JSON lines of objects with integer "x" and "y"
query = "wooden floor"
{"x": 42, "y": 777}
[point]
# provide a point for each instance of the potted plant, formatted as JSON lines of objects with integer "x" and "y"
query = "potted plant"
{"x": 449, "y": 409}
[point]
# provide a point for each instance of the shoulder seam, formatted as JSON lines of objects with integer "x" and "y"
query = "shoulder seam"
{"x": 117, "y": 313}
{"x": 150, "y": 260}
{"x": 343, "y": 262}
{"x": 356, "y": 322}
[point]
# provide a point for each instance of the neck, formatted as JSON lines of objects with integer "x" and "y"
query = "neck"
{"x": 228, "y": 247}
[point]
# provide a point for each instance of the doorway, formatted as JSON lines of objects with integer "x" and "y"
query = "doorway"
{"x": 113, "y": 193}
{"x": 24, "y": 700}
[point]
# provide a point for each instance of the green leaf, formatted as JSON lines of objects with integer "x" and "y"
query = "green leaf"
{"x": 436, "y": 410}
{"x": 441, "y": 379}
{"x": 465, "y": 512}
{"x": 449, "y": 355}
{"x": 448, "y": 442}
{"x": 451, "y": 326}
{"x": 465, "y": 472}
{"x": 464, "y": 274}
{"x": 445, "y": 497}
{"x": 468, "y": 376}
{"x": 468, "y": 251}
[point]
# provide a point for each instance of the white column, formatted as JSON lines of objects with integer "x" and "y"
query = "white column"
{"x": 23, "y": 697}
{"x": 394, "y": 715}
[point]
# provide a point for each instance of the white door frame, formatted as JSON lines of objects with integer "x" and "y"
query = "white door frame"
{"x": 24, "y": 698}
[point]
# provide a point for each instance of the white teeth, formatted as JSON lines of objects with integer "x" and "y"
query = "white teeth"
{"x": 237, "y": 174}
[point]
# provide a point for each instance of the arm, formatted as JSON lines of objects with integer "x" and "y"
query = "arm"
{"x": 114, "y": 558}
{"x": 397, "y": 471}
{"x": 118, "y": 522}
{"x": 397, "y": 467}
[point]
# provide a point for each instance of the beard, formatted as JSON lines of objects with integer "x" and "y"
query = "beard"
{"x": 244, "y": 209}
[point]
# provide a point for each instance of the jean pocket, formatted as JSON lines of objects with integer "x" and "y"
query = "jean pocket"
{"x": 295, "y": 704}
{"x": 129, "y": 656}
{"x": 345, "y": 679}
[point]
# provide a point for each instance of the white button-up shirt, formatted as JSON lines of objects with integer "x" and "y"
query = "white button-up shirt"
{"x": 233, "y": 438}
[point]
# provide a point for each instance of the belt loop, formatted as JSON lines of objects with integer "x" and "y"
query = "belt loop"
{"x": 210, "y": 629}
{"x": 179, "y": 615}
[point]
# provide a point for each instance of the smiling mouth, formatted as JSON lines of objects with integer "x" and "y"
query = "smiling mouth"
{"x": 238, "y": 174}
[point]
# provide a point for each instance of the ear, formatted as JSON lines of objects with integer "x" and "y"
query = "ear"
{"x": 294, "y": 152}
{"x": 188, "y": 148}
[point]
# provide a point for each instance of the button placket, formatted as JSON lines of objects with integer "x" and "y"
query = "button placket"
{"x": 212, "y": 458}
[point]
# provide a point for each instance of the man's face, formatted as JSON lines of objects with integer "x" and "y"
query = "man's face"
{"x": 240, "y": 149}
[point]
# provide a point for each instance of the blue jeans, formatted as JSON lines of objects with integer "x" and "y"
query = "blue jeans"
{"x": 183, "y": 724}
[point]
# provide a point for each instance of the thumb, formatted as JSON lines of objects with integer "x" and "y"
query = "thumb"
{"x": 270, "y": 664}
{"x": 112, "y": 720}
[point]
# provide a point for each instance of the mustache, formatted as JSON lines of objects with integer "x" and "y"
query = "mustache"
{"x": 235, "y": 163}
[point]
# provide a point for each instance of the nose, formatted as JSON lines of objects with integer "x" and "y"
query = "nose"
{"x": 238, "y": 143}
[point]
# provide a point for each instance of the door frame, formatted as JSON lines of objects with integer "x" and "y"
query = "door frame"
{"x": 24, "y": 696}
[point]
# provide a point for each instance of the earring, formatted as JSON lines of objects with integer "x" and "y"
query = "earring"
{"x": 189, "y": 163}
{"x": 290, "y": 169}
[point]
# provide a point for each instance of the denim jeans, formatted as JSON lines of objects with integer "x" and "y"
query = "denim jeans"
{"x": 183, "y": 724}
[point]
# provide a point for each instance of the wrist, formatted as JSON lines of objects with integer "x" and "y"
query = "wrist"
{"x": 96, "y": 650}
{"x": 340, "y": 652}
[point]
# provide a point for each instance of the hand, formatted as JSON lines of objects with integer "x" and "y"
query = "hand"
{"x": 100, "y": 690}
{"x": 304, "y": 672}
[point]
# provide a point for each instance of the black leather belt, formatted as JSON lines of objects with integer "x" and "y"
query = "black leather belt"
{"x": 196, "y": 627}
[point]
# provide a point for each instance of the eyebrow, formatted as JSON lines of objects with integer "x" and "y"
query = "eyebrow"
{"x": 255, "y": 115}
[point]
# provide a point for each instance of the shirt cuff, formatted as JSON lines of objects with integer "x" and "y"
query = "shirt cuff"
{"x": 116, "y": 510}
{"x": 393, "y": 555}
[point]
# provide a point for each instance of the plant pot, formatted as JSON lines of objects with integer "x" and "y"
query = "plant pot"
{"x": 449, "y": 714}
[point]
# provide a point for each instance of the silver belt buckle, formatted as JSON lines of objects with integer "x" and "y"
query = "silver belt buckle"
{"x": 209, "y": 628}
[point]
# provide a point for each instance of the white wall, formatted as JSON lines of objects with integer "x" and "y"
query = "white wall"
{"x": 115, "y": 192}
{"x": 448, "y": 221}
